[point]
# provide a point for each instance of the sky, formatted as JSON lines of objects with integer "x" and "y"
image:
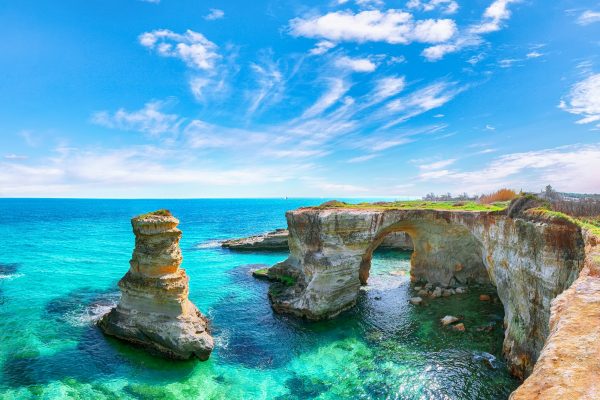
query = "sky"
{"x": 346, "y": 98}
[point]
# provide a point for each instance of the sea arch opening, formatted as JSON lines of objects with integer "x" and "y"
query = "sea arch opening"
{"x": 443, "y": 253}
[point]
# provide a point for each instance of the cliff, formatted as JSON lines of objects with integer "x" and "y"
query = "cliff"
{"x": 530, "y": 260}
{"x": 154, "y": 310}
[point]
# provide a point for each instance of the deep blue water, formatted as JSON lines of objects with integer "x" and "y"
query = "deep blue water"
{"x": 61, "y": 260}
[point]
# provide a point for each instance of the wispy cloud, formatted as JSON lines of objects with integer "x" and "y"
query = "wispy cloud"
{"x": 271, "y": 85}
{"x": 214, "y": 14}
{"x": 191, "y": 47}
{"x": 584, "y": 99}
{"x": 337, "y": 88}
{"x": 588, "y": 17}
{"x": 150, "y": 119}
{"x": 422, "y": 100}
{"x": 570, "y": 168}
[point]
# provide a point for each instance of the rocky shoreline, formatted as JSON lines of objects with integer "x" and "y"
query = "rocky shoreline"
{"x": 529, "y": 259}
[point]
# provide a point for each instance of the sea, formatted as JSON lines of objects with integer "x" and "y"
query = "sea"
{"x": 61, "y": 259}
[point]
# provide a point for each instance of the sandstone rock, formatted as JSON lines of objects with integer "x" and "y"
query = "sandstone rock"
{"x": 448, "y": 319}
{"x": 446, "y": 293}
{"x": 417, "y": 288}
{"x": 522, "y": 255}
{"x": 437, "y": 292}
{"x": 484, "y": 297}
{"x": 416, "y": 300}
{"x": 460, "y": 290}
{"x": 154, "y": 311}
{"x": 459, "y": 327}
{"x": 270, "y": 241}
{"x": 423, "y": 292}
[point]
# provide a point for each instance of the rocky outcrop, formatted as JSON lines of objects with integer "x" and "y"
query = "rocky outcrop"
{"x": 154, "y": 310}
{"x": 569, "y": 364}
{"x": 530, "y": 260}
{"x": 277, "y": 240}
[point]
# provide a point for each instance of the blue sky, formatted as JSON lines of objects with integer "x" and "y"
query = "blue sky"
{"x": 176, "y": 98}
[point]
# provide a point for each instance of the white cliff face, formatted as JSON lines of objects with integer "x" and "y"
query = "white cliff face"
{"x": 154, "y": 311}
{"x": 529, "y": 261}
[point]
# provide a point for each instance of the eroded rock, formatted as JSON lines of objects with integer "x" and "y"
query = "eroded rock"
{"x": 529, "y": 261}
{"x": 154, "y": 310}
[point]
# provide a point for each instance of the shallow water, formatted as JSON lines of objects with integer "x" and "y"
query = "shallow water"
{"x": 61, "y": 261}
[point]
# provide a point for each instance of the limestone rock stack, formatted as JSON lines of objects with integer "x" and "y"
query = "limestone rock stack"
{"x": 154, "y": 311}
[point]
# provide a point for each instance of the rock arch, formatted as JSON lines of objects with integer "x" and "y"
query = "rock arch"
{"x": 530, "y": 261}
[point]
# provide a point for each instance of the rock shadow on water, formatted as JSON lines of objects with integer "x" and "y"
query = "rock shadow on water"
{"x": 8, "y": 269}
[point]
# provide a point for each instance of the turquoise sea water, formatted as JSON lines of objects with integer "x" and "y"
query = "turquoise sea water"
{"x": 60, "y": 263}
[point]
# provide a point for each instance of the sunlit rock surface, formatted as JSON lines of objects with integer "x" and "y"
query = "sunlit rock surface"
{"x": 154, "y": 311}
{"x": 529, "y": 260}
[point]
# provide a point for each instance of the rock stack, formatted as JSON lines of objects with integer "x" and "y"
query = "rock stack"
{"x": 154, "y": 311}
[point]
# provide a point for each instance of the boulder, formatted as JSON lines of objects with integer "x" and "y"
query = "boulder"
{"x": 448, "y": 319}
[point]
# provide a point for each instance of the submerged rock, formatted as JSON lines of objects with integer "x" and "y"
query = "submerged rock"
{"x": 154, "y": 311}
{"x": 459, "y": 327}
{"x": 484, "y": 297}
{"x": 448, "y": 319}
{"x": 416, "y": 300}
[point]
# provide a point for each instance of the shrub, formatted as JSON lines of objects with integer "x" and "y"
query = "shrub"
{"x": 499, "y": 195}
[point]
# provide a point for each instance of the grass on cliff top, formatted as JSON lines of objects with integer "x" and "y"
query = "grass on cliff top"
{"x": 418, "y": 205}
{"x": 162, "y": 213}
{"x": 590, "y": 224}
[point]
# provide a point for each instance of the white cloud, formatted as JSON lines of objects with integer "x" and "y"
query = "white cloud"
{"x": 322, "y": 47}
{"x": 437, "y": 165}
{"x": 360, "y": 159}
{"x": 356, "y": 64}
{"x": 437, "y": 52}
{"x": 388, "y": 144}
{"x": 388, "y": 87}
{"x": 191, "y": 47}
{"x": 494, "y": 17}
{"x": 214, "y": 14}
{"x": 391, "y": 26}
{"x": 337, "y": 88}
{"x": 150, "y": 119}
{"x": 588, "y": 17}
{"x": 12, "y": 156}
{"x": 420, "y": 101}
{"x": 446, "y": 6}
{"x": 584, "y": 99}
{"x": 509, "y": 62}
{"x": 270, "y": 85}
{"x": 569, "y": 168}
{"x": 534, "y": 54}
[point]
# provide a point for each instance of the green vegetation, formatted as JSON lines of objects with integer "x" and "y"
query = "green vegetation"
{"x": 162, "y": 212}
{"x": 287, "y": 280}
{"x": 592, "y": 225}
{"x": 419, "y": 205}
